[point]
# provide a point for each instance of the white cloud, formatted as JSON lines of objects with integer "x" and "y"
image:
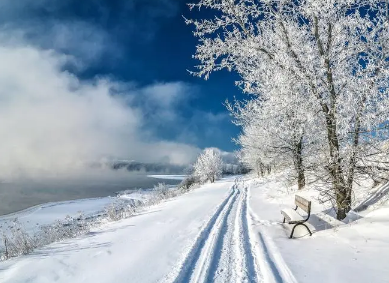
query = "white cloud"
{"x": 51, "y": 121}
{"x": 81, "y": 39}
{"x": 54, "y": 123}
{"x": 162, "y": 101}
{"x": 166, "y": 95}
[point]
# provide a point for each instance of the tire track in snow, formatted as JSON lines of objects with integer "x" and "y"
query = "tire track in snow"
{"x": 223, "y": 256}
{"x": 248, "y": 251}
{"x": 208, "y": 261}
{"x": 235, "y": 262}
{"x": 194, "y": 257}
{"x": 223, "y": 252}
{"x": 267, "y": 255}
{"x": 279, "y": 270}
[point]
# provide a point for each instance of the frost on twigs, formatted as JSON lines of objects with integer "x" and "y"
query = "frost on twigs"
{"x": 16, "y": 240}
{"x": 318, "y": 74}
{"x": 208, "y": 166}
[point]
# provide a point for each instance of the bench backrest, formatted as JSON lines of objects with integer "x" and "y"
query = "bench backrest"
{"x": 303, "y": 203}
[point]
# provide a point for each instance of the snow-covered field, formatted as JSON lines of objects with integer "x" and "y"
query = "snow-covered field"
{"x": 45, "y": 214}
{"x": 224, "y": 232}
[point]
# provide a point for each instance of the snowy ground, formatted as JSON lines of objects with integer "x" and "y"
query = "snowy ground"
{"x": 45, "y": 214}
{"x": 223, "y": 232}
{"x": 337, "y": 252}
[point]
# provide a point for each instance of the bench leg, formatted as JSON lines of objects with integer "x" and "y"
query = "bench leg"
{"x": 291, "y": 235}
{"x": 284, "y": 220}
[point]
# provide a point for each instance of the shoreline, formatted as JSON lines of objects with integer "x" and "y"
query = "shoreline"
{"x": 18, "y": 197}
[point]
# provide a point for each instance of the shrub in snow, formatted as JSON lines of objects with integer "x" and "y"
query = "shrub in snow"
{"x": 208, "y": 166}
{"x": 188, "y": 183}
{"x": 121, "y": 209}
{"x": 70, "y": 227}
{"x": 16, "y": 241}
{"x": 162, "y": 190}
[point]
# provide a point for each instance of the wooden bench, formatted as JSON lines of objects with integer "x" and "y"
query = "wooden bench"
{"x": 294, "y": 218}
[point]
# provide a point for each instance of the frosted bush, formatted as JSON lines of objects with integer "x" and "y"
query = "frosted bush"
{"x": 120, "y": 209}
{"x": 189, "y": 183}
{"x": 17, "y": 241}
{"x": 163, "y": 191}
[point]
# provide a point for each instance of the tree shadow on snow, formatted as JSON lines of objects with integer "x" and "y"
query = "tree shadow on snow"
{"x": 317, "y": 222}
{"x": 96, "y": 233}
{"x": 67, "y": 249}
{"x": 373, "y": 198}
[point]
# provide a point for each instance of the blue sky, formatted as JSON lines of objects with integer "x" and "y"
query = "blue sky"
{"x": 144, "y": 42}
{"x": 141, "y": 49}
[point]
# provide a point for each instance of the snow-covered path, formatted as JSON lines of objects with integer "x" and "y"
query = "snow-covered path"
{"x": 222, "y": 252}
{"x": 230, "y": 231}
{"x": 199, "y": 237}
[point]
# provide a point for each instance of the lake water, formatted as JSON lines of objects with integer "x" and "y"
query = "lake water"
{"x": 22, "y": 194}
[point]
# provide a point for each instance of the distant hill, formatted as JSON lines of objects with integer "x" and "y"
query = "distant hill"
{"x": 134, "y": 166}
{"x": 231, "y": 166}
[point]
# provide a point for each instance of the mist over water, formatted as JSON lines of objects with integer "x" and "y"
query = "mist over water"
{"x": 54, "y": 124}
{"x": 19, "y": 194}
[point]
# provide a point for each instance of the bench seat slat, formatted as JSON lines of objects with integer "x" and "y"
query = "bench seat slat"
{"x": 291, "y": 215}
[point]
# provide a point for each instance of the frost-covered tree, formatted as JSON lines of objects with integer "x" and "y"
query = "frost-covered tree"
{"x": 336, "y": 50}
{"x": 208, "y": 166}
{"x": 275, "y": 131}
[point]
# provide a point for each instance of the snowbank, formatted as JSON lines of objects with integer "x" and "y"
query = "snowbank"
{"x": 355, "y": 250}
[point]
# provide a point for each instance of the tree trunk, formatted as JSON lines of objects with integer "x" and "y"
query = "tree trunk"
{"x": 299, "y": 164}
{"x": 343, "y": 202}
{"x": 262, "y": 169}
{"x": 341, "y": 189}
{"x": 353, "y": 158}
{"x": 301, "y": 180}
{"x": 259, "y": 168}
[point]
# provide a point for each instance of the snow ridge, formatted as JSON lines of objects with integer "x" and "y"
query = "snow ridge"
{"x": 248, "y": 250}
{"x": 267, "y": 255}
{"x": 193, "y": 257}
